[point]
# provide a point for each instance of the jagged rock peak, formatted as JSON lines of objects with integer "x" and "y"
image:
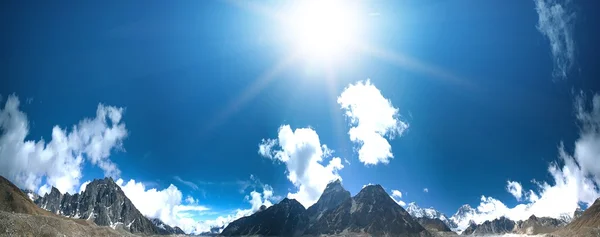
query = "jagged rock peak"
{"x": 291, "y": 202}
{"x": 104, "y": 203}
{"x": 334, "y": 183}
{"x": 333, "y": 195}
{"x": 373, "y": 188}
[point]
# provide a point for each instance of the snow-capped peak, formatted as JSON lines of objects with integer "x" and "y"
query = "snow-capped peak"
{"x": 462, "y": 217}
{"x": 415, "y": 211}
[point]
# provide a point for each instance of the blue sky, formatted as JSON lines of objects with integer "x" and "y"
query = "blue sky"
{"x": 200, "y": 89}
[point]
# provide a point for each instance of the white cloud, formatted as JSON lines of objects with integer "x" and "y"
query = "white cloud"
{"x": 83, "y": 186}
{"x": 165, "y": 204}
{"x": 426, "y": 190}
{"x": 575, "y": 177}
{"x": 369, "y": 184}
{"x": 373, "y": 119}
{"x": 303, "y": 155}
{"x": 396, "y": 195}
{"x": 556, "y": 22}
{"x": 58, "y": 162}
{"x": 266, "y": 147}
{"x": 190, "y": 200}
{"x": 515, "y": 189}
{"x": 169, "y": 205}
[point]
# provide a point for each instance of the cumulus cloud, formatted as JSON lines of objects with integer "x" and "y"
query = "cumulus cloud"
{"x": 556, "y": 22}
{"x": 302, "y": 153}
{"x": 166, "y": 204}
{"x": 396, "y": 195}
{"x": 58, "y": 162}
{"x": 515, "y": 189}
{"x": 575, "y": 176}
{"x": 373, "y": 118}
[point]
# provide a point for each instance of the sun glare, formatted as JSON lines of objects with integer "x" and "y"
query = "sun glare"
{"x": 323, "y": 30}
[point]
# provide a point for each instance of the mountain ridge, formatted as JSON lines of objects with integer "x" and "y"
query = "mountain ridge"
{"x": 104, "y": 203}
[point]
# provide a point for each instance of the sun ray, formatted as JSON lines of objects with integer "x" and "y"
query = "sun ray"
{"x": 249, "y": 93}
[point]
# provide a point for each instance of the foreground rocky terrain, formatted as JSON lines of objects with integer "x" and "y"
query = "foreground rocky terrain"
{"x": 372, "y": 212}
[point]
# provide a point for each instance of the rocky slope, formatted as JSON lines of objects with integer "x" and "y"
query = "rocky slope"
{"x": 166, "y": 229}
{"x": 12, "y": 199}
{"x": 104, "y": 203}
{"x": 538, "y": 225}
{"x": 372, "y": 211}
{"x": 433, "y": 224}
{"x": 501, "y": 225}
{"x": 19, "y": 216}
{"x": 333, "y": 195}
{"x": 588, "y": 224}
{"x": 417, "y": 212}
{"x": 532, "y": 226}
{"x": 286, "y": 218}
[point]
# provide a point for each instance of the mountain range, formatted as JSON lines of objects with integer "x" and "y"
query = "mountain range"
{"x": 371, "y": 212}
{"x": 104, "y": 210}
{"x": 429, "y": 213}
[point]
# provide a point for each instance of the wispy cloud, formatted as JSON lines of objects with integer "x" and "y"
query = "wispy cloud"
{"x": 515, "y": 189}
{"x": 556, "y": 22}
{"x": 187, "y": 183}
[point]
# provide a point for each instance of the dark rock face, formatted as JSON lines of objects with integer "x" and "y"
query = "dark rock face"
{"x": 104, "y": 202}
{"x": 166, "y": 229}
{"x": 287, "y": 218}
{"x": 501, "y": 225}
{"x": 371, "y": 211}
{"x": 469, "y": 230}
{"x": 51, "y": 201}
{"x": 333, "y": 195}
{"x": 433, "y": 224}
{"x": 538, "y": 225}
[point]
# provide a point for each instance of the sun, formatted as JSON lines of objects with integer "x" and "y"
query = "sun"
{"x": 322, "y": 29}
